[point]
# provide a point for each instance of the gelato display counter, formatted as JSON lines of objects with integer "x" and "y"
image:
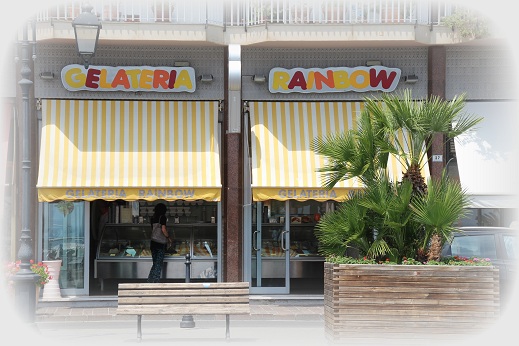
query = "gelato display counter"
{"x": 123, "y": 251}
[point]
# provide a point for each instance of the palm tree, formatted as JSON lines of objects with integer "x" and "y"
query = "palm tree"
{"x": 402, "y": 127}
{"x": 444, "y": 203}
{"x": 419, "y": 121}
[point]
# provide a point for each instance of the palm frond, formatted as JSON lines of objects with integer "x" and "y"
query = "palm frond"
{"x": 444, "y": 204}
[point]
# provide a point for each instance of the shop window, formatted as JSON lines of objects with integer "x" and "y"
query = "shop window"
{"x": 64, "y": 238}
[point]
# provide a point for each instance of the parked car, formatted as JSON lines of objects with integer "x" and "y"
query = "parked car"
{"x": 499, "y": 244}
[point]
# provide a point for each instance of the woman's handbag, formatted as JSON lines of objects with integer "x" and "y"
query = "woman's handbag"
{"x": 157, "y": 235}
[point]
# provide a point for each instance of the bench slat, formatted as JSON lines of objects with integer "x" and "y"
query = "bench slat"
{"x": 183, "y": 299}
{"x": 184, "y": 309}
{"x": 176, "y": 285}
{"x": 182, "y": 292}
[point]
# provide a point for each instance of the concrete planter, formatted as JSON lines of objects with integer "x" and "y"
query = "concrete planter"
{"x": 408, "y": 304}
{"x": 52, "y": 290}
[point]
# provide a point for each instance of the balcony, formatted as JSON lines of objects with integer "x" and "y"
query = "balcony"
{"x": 261, "y": 22}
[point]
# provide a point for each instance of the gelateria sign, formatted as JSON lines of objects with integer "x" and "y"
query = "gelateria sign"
{"x": 333, "y": 79}
{"x": 128, "y": 78}
{"x": 129, "y": 194}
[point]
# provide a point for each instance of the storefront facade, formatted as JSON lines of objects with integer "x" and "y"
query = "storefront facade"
{"x": 226, "y": 149}
{"x": 129, "y": 146}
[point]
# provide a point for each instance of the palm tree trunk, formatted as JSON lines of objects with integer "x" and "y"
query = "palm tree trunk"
{"x": 435, "y": 249}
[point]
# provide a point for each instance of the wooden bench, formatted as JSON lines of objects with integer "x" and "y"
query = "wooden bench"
{"x": 215, "y": 298}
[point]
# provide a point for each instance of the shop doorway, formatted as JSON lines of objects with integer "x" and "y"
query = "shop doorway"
{"x": 270, "y": 257}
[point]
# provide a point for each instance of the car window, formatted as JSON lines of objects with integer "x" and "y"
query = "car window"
{"x": 474, "y": 246}
{"x": 511, "y": 246}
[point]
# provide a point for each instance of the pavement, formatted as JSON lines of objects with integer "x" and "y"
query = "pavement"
{"x": 97, "y": 308}
{"x": 273, "y": 321}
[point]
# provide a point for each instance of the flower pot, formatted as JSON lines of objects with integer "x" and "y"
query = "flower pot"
{"x": 364, "y": 302}
{"x": 51, "y": 290}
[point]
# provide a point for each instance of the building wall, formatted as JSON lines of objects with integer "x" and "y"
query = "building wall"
{"x": 484, "y": 73}
{"x": 261, "y": 60}
{"x": 53, "y": 57}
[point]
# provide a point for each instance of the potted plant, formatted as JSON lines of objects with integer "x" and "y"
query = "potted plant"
{"x": 401, "y": 225}
{"x": 467, "y": 24}
{"x": 53, "y": 262}
{"x": 39, "y": 268}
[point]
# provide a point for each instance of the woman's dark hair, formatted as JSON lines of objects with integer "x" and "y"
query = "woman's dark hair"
{"x": 160, "y": 209}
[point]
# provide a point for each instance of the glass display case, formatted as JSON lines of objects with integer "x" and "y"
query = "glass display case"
{"x": 303, "y": 243}
{"x": 124, "y": 251}
{"x": 276, "y": 225}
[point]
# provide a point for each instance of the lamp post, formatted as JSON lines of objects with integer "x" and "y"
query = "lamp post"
{"x": 25, "y": 279}
{"x": 86, "y": 29}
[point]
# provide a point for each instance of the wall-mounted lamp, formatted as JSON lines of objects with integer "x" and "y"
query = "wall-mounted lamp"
{"x": 259, "y": 78}
{"x": 373, "y": 63}
{"x": 86, "y": 29}
{"x": 411, "y": 79}
{"x": 181, "y": 63}
{"x": 47, "y": 75}
{"x": 206, "y": 78}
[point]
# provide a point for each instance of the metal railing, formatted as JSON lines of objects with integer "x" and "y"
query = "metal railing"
{"x": 243, "y": 13}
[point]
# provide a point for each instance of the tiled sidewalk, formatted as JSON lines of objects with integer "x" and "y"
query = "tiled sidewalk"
{"x": 261, "y": 309}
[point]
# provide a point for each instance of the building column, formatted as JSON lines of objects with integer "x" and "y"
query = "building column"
{"x": 437, "y": 61}
{"x": 232, "y": 194}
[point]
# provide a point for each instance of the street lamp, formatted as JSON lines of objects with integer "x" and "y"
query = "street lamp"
{"x": 25, "y": 280}
{"x": 86, "y": 29}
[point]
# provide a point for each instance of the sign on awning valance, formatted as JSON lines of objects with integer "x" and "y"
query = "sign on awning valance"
{"x": 284, "y": 167}
{"x": 129, "y": 150}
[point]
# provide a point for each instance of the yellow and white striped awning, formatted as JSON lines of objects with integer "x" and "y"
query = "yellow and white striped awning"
{"x": 129, "y": 150}
{"x": 283, "y": 164}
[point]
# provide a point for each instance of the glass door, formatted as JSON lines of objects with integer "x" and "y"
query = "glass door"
{"x": 270, "y": 260}
{"x": 64, "y": 239}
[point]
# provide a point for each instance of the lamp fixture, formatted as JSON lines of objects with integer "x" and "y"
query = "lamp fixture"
{"x": 411, "y": 79}
{"x": 373, "y": 63}
{"x": 86, "y": 29}
{"x": 181, "y": 63}
{"x": 206, "y": 78}
{"x": 259, "y": 78}
{"x": 47, "y": 75}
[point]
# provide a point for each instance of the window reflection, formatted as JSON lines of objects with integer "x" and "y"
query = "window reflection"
{"x": 511, "y": 246}
{"x": 64, "y": 238}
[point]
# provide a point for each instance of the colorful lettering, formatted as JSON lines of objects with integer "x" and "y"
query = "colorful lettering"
{"x": 305, "y": 194}
{"x": 280, "y": 80}
{"x": 298, "y": 80}
{"x": 102, "y": 79}
{"x": 333, "y": 79}
{"x": 74, "y": 77}
{"x": 130, "y": 78}
{"x": 381, "y": 77}
{"x": 183, "y": 80}
{"x": 121, "y": 79}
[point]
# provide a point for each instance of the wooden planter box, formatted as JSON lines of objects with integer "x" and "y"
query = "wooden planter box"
{"x": 404, "y": 304}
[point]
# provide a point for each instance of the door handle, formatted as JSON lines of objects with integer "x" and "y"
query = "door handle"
{"x": 255, "y": 240}
{"x": 283, "y": 241}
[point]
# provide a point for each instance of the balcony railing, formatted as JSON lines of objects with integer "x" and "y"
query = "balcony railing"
{"x": 244, "y": 13}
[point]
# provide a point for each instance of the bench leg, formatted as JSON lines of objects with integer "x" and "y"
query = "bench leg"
{"x": 139, "y": 330}
{"x": 227, "y": 333}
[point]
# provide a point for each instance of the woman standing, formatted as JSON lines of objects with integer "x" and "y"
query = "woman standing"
{"x": 158, "y": 249}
